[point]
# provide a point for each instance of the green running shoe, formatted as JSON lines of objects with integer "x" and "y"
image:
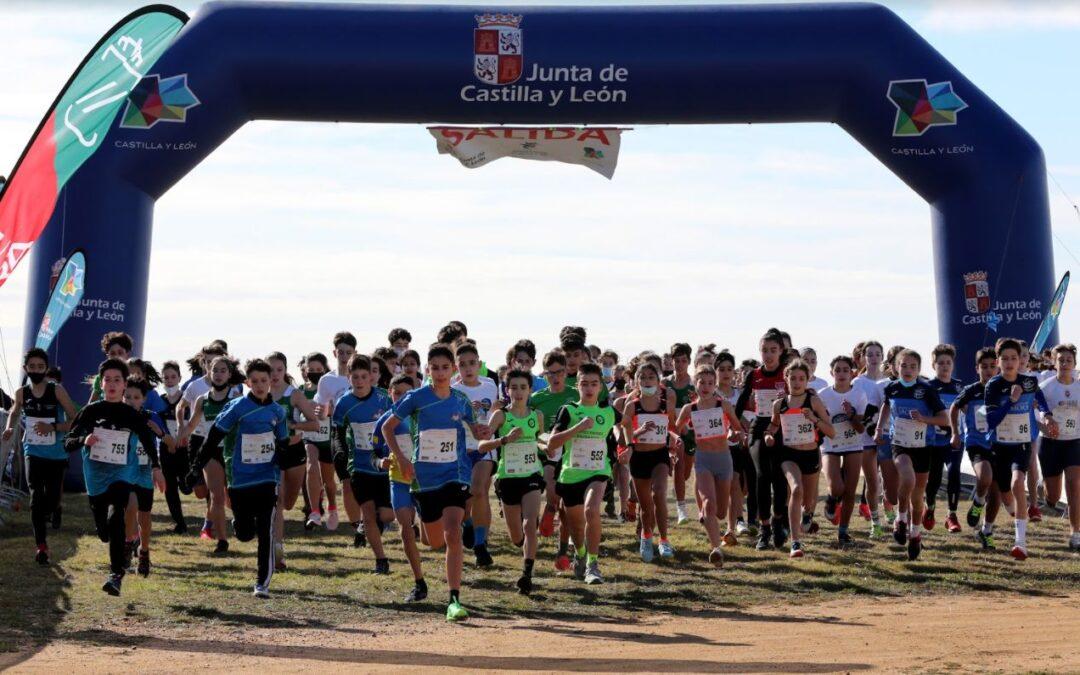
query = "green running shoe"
{"x": 974, "y": 513}
{"x": 455, "y": 612}
{"x": 876, "y": 531}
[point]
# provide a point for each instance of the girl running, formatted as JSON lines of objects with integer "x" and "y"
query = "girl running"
{"x": 843, "y": 453}
{"x": 45, "y": 410}
{"x": 292, "y": 460}
{"x": 710, "y": 418}
{"x": 910, "y": 411}
{"x": 743, "y": 485}
{"x": 1060, "y": 456}
{"x": 648, "y": 421}
{"x": 797, "y": 419}
{"x": 519, "y": 477}
{"x": 173, "y": 464}
{"x": 873, "y": 355}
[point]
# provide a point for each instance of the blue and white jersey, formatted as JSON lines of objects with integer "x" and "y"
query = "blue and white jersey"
{"x": 904, "y": 399}
{"x": 47, "y": 410}
{"x": 253, "y": 428}
{"x": 947, "y": 392}
{"x": 1013, "y": 423}
{"x": 438, "y": 424}
{"x": 358, "y": 418}
{"x": 971, "y": 401}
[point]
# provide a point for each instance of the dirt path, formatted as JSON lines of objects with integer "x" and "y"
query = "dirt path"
{"x": 966, "y": 633}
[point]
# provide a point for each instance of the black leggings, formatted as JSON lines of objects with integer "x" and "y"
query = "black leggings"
{"x": 952, "y": 487}
{"x": 253, "y": 516}
{"x": 772, "y": 488}
{"x": 108, "y": 509}
{"x": 175, "y": 466}
{"x": 938, "y": 454}
{"x": 46, "y": 480}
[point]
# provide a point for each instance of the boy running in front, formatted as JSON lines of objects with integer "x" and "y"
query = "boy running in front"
{"x": 986, "y": 499}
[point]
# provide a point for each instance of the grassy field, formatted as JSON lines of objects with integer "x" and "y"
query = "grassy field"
{"x": 329, "y": 584}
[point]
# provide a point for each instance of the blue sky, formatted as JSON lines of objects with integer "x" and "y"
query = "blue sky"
{"x": 273, "y": 227}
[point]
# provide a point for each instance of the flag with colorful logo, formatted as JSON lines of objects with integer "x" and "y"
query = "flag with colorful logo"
{"x": 65, "y": 297}
{"x": 1050, "y": 320}
{"x": 77, "y": 123}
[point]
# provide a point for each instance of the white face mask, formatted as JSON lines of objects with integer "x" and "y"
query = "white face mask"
{"x": 649, "y": 391}
{"x": 399, "y": 351}
{"x": 172, "y": 390}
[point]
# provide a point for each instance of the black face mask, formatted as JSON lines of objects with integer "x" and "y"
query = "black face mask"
{"x": 620, "y": 384}
{"x": 36, "y": 378}
{"x": 314, "y": 377}
{"x": 219, "y": 387}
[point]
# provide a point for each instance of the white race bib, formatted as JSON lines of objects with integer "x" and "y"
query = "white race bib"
{"x": 846, "y": 438}
{"x": 797, "y": 430}
{"x": 521, "y": 458}
{"x": 908, "y": 433}
{"x": 362, "y": 434}
{"x": 1068, "y": 421}
{"x": 588, "y": 454}
{"x": 203, "y": 428}
{"x": 658, "y": 434}
{"x": 1015, "y": 428}
{"x": 257, "y": 448}
{"x": 111, "y": 446}
{"x": 709, "y": 423}
{"x": 34, "y": 438}
{"x": 980, "y": 420}
{"x": 763, "y": 400}
{"x": 320, "y": 436}
{"x": 174, "y": 427}
{"x": 438, "y": 446}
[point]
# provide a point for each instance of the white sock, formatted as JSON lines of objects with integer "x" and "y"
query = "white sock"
{"x": 987, "y": 528}
{"x": 915, "y": 530}
{"x": 1021, "y": 531}
{"x": 902, "y": 517}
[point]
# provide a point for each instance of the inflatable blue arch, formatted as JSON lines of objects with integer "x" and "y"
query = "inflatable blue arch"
{"x": 855, "y": 65}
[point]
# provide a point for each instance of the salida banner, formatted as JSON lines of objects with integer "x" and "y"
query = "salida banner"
{"x": 594, "y": 147}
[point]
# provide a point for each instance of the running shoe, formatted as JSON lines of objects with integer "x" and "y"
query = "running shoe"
{"x": 579, "y": 567}
{"x": 261, "y": 592}
{"x": 645, "y": 548}
{"x": 763, "y": 543}
{"x": 112, "y": 584}
{"x": 468, "y": 535}
{"x": 974, "y": 514}
{"x": 129, "y": 554}
{"x": 864, "y": 510}
{"x": 483, "y": 557}
{"x": 666, "y": 550}
{"x": 831, "y": 512}
{"x": 418, "y": 593}
{"x": 877, "y": 531}
{"x": 1019, "y": 552}
{"x": 729, "y": 540}
{"x": 547, "y": 523}
{"x": 987, "y": 540}
{"x": 180, "y": 528}
{"x": 716, "y": 557}
{"x": 1074, "y": 541}
{"x": 144, "y": 563}
{"x": 812, "y": 527}
{"x": 207, "y": 533}
{"x": 279, "y": 556}
{"x": 900, "y": 532}
{"x": 592, "y": 574}
{"x": 796, "y": 550}
{"x": 360, "y": 537}
{"x": 890, "y": 513}
{"x": 914, "y": 546}
{"x": 843, "y": 539}
{"x": 455, "y": 612}
{"x": 332, "y": 520}
{"x": 952, "y": 523}
{"x": 42, "y": 555}
{"x": 222, "y": 547}
{"x": 682, "y": 515}
{"x": 928, "y": 519}
{"x": 314, "y": 520}
{"x": 57, "y": 517}
{"x": 780, "y": 535}
{"x": 1034, "y": 514}
{"x": 741, "y": 527}
{"x": 382, "y": 566}
{"x": 524, "y": 584}
{"x": 562, "y": 563}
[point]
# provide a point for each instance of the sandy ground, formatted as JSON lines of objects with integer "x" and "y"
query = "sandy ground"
{"x": 965, "y": 633}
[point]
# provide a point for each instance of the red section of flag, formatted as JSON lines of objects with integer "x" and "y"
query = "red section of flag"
{"x": 28, "y": 201}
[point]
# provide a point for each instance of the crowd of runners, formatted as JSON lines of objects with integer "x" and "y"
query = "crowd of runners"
{"x": 425, "y": 443}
